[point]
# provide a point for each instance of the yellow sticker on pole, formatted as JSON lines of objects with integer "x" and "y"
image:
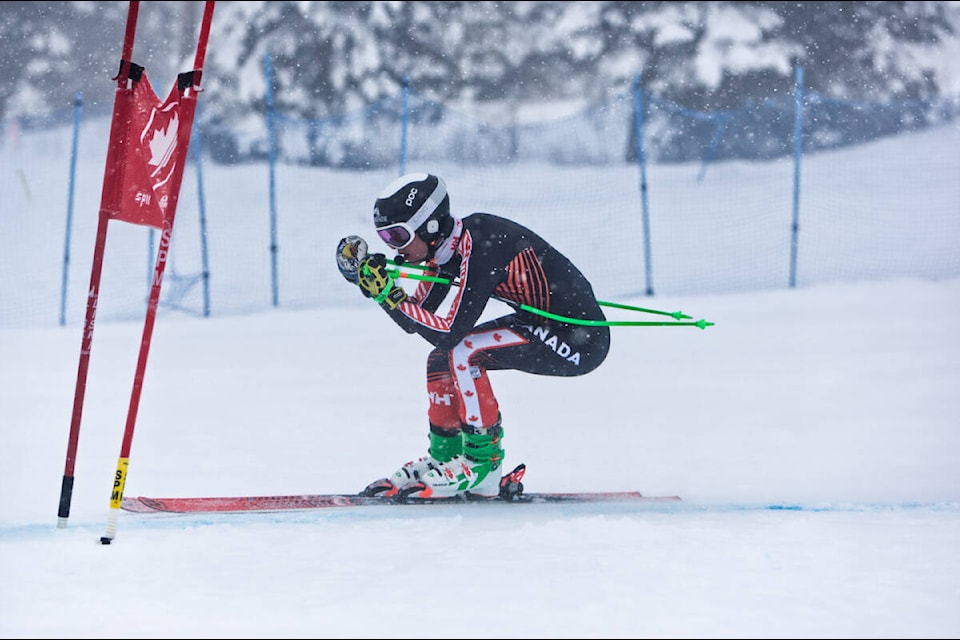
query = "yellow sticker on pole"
{"x": 119, "y": 480}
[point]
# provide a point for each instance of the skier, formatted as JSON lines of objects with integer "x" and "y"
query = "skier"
{"x": 483, "y": 256}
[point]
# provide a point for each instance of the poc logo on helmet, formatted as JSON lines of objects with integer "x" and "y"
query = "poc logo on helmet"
{"x": 411, "y": 196}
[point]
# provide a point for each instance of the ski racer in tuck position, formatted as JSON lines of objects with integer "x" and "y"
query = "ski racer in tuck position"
{"x": 483, "y": 256}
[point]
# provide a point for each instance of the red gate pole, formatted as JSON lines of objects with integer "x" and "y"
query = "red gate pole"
{"x": 120, "y": 105}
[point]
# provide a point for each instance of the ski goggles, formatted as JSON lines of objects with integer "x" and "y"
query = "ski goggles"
{"x": 397, "y": 236}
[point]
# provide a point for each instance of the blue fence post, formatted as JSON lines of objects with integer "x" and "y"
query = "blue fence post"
{"x": 719, "y": 121}
{"x": 642, "y": 161}
{"x": 272, "y": 154}
{"x": 195, "y": 141}
{"x": 77, "y": 108}
{"x": 404, "y": 119}
{"x": 797, "y": 154}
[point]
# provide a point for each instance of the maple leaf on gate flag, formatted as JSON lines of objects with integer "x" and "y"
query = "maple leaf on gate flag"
{"x": 162, "y": 144}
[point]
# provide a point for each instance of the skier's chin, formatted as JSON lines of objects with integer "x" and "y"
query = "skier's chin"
{"x": 413, "y": 258}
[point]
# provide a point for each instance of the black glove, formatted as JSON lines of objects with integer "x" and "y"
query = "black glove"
{"x": 377, "y": 283}
{"x": 351, "y": 251}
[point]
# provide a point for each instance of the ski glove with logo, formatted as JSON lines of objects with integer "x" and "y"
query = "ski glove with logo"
{"x": 351, "y": 251}
{"x": 377, "y": 283}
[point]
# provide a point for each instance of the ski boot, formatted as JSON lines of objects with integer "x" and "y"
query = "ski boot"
{"x": 443, "y": 447}
{"x": 473, "y": 475}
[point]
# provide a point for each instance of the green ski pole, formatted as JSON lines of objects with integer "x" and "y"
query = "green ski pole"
{"x": 678, "y": 315}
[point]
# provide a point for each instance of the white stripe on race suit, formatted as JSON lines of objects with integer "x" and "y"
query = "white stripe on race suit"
{"x": 484, "y": 341}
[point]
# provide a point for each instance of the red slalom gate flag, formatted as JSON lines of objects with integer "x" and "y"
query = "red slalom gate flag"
{"x": 148, "y": 149}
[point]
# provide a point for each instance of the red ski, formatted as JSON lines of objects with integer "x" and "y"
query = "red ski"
{"x": 322, "y": 501}
{"x": 511, "y": 492}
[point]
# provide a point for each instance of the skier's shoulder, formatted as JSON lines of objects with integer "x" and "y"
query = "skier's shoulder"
{"x": 478, "y": 218}
{"x": 481, "y": 220}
